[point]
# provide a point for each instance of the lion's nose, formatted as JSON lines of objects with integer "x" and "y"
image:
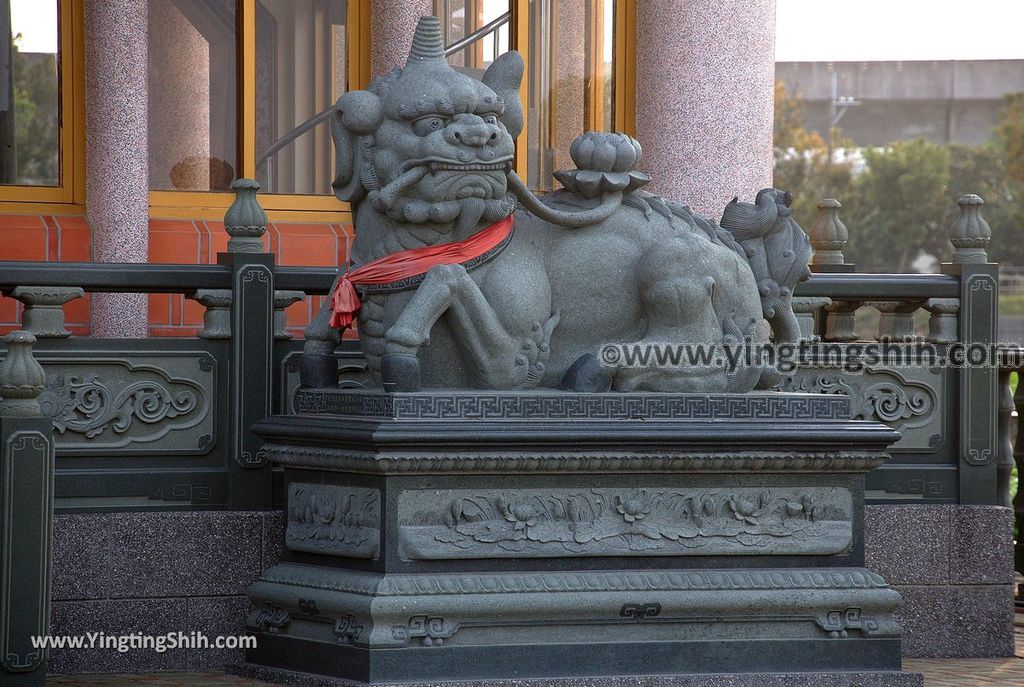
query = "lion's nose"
{"x": 477, "y": 135}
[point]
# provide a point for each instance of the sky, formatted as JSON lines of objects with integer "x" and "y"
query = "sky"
{"x": 806, "y": 30}
{"x": 36, "y": 20}
{"x": 854, "y": 30}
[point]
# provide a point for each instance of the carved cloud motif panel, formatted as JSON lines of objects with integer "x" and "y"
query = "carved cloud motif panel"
{"x": 493, "y": 523}
{"x": 151, "y": 402}
{"x": 907, "y": 399}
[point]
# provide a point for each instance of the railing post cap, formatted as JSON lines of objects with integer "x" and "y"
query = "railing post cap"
{"x": 239, "y": 184}
{"x": 22, "y": 378}
{"x": 245, "y": 221}
{"x": 969, "y": 232}
{"x": 20, "y": 336}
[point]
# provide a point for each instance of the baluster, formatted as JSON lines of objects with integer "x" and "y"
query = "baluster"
{"x": 217, "y": 318}
{"x": 828, "y": 237}
{"x": 896, "y": 320}
{"x": 840, "y": 322}
{"x": 943, "y": 325}
{"x": 1018, "y": 459}
{"x": 1005, "y": 465}
{"x": 807, "y": 311}
{"x": 282, "y": 299}
{"x": 44, "y": 314}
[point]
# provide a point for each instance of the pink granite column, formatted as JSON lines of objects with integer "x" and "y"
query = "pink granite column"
{"x": 116, "y": 176}
{"x": 705, "y": 98}
{"x": 570, "y": 69}
{"x": 392, "y": 23}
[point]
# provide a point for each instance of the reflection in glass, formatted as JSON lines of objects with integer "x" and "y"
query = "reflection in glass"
{"x": 192, "y": 111}
{"x": 29, "y": 88}
{"x": 459, "y": 18}
{"x": 571, "y": 80}
{"x": 301, "y": 70}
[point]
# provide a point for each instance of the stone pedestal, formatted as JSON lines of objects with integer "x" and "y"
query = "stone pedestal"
{"x": 476, "y": 535}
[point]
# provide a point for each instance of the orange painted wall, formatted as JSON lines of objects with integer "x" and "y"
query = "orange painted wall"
{"x": 67, "y": 239}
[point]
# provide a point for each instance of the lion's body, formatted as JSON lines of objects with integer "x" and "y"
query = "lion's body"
{"x": 425, "y": 157}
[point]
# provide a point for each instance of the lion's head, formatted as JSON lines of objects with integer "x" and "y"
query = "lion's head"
{"x": 425, "y": 142}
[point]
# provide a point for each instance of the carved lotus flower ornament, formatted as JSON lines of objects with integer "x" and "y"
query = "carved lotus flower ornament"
{"x": 522, "y": 514}
{"x": 604, "y": 164}
{"x": 634, "y": 507}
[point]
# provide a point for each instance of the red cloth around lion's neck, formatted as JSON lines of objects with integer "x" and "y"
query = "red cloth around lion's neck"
{"x": 414, "y": 262}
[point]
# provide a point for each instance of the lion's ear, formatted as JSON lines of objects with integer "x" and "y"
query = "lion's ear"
{"x": 357, "y": 113}
{"x": 503, "y": 77}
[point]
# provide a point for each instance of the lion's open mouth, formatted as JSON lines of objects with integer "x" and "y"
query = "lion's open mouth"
{"x": 468, "y": 167}
{"x": 436, "y": 164}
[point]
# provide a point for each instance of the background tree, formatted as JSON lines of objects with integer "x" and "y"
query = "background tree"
{"x": 903, "y": 196}
{"x": 898, "y": 200}
{"x": 802, "y": 160}
{"x": 36, "y": 116}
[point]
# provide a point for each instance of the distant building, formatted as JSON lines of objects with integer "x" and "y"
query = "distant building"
{"x": 942, "y": 101}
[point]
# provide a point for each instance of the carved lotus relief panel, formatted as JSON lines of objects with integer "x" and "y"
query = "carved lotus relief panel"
{"x": 333, "y": 520}
{"x": 493, "y": 523}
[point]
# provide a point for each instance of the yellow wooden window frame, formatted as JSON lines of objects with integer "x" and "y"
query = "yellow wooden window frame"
{"x": 279, "y": 206}
{"x": 67, "y": 198}
{"x": 624, "y": 68}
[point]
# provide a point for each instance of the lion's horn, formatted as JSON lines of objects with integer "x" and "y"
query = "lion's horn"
{"x": 427, "y": 42}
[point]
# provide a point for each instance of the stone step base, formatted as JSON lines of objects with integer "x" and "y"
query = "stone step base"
{"x": 836, "y": 679}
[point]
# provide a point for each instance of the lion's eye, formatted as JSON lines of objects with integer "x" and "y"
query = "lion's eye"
{"x": 428, "y": 125}
{"x": 490, "y": 119}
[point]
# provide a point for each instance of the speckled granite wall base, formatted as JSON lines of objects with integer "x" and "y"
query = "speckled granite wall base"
{"x": 953, "y": 565}
{"x": 476, "y": 535}
{"x": 156, "y": 573}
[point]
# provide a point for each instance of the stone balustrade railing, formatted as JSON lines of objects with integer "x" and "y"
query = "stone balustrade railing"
{"x": 195, "y": 448}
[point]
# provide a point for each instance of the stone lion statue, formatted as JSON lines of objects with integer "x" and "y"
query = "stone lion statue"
{"x": 463, "y": 278}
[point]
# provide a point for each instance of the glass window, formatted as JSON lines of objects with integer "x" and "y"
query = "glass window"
{"x": 29, "y": 93}
{"x": 192, "y": 95}
{"x": 571, "y": 80}
{"x": 301, "y": 70}
{"x": 460, "y": 18}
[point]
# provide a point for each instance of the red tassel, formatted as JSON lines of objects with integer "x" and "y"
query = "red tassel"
{"x": 410, "y": 263}
{"x": 345, "y": 304}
